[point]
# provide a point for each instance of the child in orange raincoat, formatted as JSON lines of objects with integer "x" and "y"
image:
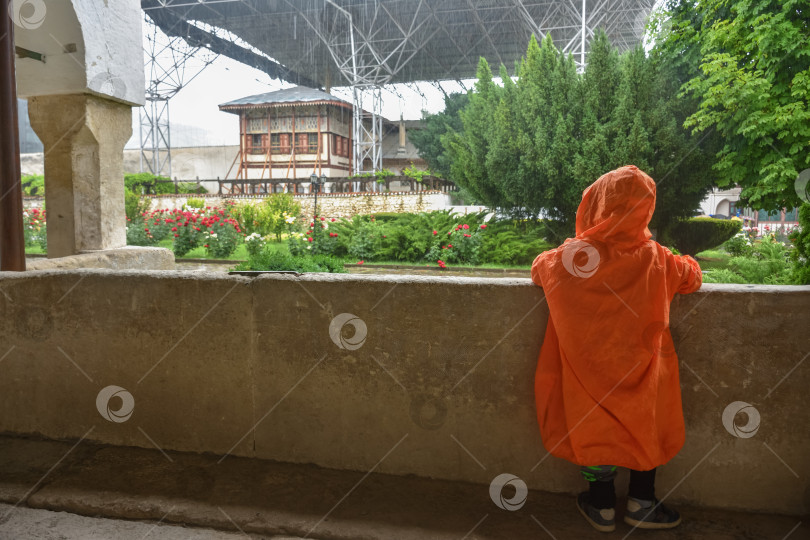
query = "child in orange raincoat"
{"x": 607, "y": 386}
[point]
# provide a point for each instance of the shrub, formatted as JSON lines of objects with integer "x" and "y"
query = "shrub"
{"x": 767, "y": 264}
{"x": 722, "y": 275}
{"x": 275, "y": 260}
{"x": 209, "y": 227}
{"x": 252, "y": 218}
{"x": 33, "y": 184}
{"x": 801, "y": 241}
{"x": 138, "y": 234}
{"x": 140, "y": 182}
{"x": 738, "y": 245}
{"x": 35, "y": 230}
{"x": 459, "y": 245}
{"x": 425, "y": 236}
{"x": 134, "y": 204}
{"x": 254, "y": 243}
{"x": 324, "y": 241}
{"x": 410, "y": 237}
{"x": 691, "y": 236}
{"x": 366, "y": 242}
{"x": 192, "y": 202}
{"x": 147, "y": 229}
{"x": 283, "y": 210}
{"x": 382, "y": 175}
{"x": 412, "y": 172}
{"x": 385, "y": 217}
{"x": 513, "y": 242}
{"x": 188, "y": 235}
{"x": 274, "y": 215}
{"x": 222, "y": 237}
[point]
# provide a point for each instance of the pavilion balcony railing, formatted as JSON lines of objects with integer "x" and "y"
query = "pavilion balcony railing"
{"x": 248, "y": 187}
{"x": 283, "y": 150}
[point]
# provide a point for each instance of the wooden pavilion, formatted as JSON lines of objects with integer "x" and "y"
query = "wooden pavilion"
{"x": 292, "y": 133}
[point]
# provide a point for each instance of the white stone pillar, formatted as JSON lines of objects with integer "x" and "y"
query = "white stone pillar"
{"x": 83, "y": 138}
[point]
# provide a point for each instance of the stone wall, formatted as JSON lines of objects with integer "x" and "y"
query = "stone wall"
{"x": 329, "y": 205}
{"x": 435, "y": 380}
{"x": 338, "y": 204}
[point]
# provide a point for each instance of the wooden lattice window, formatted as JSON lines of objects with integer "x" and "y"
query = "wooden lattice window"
{"x": 284, "y": 143}
{"x": 301, "y": 143}
{"x": 256, "y": 143}
{"x": 341, "y": 146}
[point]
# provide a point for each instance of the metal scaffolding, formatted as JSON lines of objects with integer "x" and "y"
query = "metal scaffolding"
{"x": 168, "y": 69}
{"x": 370, "y": 44}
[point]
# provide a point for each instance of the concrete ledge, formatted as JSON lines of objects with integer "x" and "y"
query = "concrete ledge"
{"x": 126, "y": 258}
{"x": 442, "y": 386}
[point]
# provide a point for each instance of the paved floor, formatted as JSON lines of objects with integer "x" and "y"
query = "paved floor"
{"x": 136, "y": 488}
{"x": 33, "y": 524}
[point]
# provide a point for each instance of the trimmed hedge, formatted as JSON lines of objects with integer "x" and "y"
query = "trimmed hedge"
{"x": 691, "y": 236}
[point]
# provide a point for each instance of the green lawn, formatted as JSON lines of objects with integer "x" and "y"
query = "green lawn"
{"x": 713, "y": 259}
{"x": 454, "y": 265}
{"x": 34, "y": 250}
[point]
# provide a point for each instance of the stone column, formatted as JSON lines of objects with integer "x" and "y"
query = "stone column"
{"x": 83, "y": 137}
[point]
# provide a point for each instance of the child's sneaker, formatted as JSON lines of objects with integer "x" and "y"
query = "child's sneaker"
{"x": 650, "y": 515}
{"x": 603, "y": 520}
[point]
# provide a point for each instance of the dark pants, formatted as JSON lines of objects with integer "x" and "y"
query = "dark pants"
{"x": 603, "y": 492}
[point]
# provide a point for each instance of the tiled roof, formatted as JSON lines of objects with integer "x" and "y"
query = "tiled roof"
{"x": 296, "y": 94}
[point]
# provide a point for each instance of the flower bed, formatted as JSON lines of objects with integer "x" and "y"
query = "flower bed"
{"x": 210, "y": 227}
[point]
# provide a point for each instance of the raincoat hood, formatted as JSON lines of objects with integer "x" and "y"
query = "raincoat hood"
{"x": 618, "y": 207}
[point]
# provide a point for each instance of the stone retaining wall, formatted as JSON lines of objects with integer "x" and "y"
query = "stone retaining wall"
{"x": 401, "y": 374}
{"x": 330, "y": 204}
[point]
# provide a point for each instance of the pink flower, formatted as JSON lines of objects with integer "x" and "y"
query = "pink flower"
{"x": 435, "y": 233}
{"x": 484, "y": 226}
{"x": 466, "y": 226}
{"x": 361, "y": 262}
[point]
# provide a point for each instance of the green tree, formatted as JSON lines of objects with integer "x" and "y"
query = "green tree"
{"x": 468, "y": 149}
{"x": 428, "y": 140}
{"x": 752, "y": 86}
{"x": 531, "y": 147}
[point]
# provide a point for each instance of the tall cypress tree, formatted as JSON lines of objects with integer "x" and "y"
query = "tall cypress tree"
{"x": 468, "y": 150}
{"x": 530, "y": 148}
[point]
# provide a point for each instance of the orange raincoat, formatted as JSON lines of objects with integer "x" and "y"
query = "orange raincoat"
{"x": 607, "y": 386}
